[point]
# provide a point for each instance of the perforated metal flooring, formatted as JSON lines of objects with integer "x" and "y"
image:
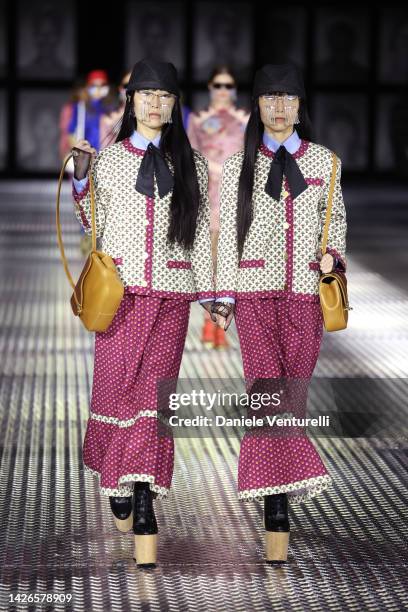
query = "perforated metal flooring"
{"x": 57, "y": 536}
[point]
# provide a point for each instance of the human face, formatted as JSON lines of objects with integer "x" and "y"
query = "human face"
{"x": 153, "y": 107}
{"x": 98, "y": 89}
{"x": 222, "y": 89}
{"x": 279, "y": 110}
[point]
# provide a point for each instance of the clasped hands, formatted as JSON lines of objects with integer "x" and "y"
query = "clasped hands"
{"x": 221, "y": 313}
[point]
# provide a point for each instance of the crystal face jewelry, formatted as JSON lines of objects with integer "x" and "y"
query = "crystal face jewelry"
{"x": 287, "y": 98}
{"x": 165, "y": 105}
{"x": 142, "y": 111}
{"x": 165, "y": 113}
{"x": 291, "y": 115}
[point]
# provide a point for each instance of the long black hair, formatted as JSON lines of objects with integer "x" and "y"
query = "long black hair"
{"x": 175, "y": 145}
{"x": 253, "y": 139}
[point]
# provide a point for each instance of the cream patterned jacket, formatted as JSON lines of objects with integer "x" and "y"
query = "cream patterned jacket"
{"x": 132, "y": 228}
{"x": 280, "y": 256}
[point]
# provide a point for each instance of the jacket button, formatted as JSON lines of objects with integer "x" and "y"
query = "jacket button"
{"x": 286, "y": 225}
{"x": 285, "y": 286}
{"x": 285, "y": 194}
{"x": 286, "y": 256}
{"x": 145, "y": 255}
{"x": 146, "y": 221}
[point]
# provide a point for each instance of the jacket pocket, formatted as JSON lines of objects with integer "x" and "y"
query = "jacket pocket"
{"x": 181, "y": 265}
{"x": 252, "y": 263}
{"x": 318, "y": 182}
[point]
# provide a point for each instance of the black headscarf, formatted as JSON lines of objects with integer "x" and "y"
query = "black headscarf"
{"x": 279, "y": 77}
{"x": 151, "y": 74}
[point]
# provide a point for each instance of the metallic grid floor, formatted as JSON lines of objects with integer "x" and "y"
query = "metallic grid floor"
{"x": 347, "y": 549}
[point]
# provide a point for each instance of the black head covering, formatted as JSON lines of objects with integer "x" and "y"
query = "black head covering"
{"x": 151, "y": 74}
{"x": 279, "y": 77}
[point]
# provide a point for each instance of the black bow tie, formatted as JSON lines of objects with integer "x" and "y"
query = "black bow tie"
{"x": 284, "y": 164}
{"x": 153, "y": 164}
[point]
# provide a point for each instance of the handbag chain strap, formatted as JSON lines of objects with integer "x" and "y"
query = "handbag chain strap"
{"x": 58, "y": 221}
{"x": 329, "y": 205}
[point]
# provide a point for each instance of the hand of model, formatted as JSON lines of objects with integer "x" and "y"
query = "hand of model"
{"x": 207, "y": 305}
{"x": 326, "y": 263}
{"x": 224, "y": 312}
{"x": 82, "y": 152}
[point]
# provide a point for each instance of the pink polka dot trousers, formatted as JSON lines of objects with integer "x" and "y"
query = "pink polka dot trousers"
{"x": 280, "y": 342}
{"x": 125, "y": 441}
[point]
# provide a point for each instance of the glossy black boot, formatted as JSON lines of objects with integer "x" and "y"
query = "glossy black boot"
{"x": 144, "y": 526}
{"x": 122, "y": 512}
{"x": 276, "y": 527}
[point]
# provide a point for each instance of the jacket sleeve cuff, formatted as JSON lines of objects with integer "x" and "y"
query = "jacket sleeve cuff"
{"x": 228, "y": 299}
{"x": 220, "y": 295}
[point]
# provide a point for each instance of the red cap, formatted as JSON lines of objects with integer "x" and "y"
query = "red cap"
{"x": 96, "y": 74}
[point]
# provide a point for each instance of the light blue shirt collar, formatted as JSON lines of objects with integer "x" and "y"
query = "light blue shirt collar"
{"x": 140, "y": 142}
{"x": 292, "y": 143}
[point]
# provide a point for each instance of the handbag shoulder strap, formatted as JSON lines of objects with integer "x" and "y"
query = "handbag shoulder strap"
{"x": 329, "y": 204}
{"x": 58, "y": 221}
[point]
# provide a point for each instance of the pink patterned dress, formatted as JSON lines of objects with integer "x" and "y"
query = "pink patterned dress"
{"x": 217, "y": 134}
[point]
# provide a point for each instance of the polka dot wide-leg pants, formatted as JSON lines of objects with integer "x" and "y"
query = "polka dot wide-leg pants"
{"x": 125, "y": 440}
{"x": 280, "y": 342}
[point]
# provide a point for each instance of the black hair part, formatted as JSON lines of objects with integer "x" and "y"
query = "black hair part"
{"x": 175, "y": 145}
{"x": 253, "y": 139}
{"x": 222, "y": 69}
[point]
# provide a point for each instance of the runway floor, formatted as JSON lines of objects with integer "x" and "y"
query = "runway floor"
{"x": 348, "y": 547}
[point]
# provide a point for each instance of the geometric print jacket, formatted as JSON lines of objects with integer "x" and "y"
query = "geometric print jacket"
{"x": 132, "y": 228}
{"x": 282, "y": 247}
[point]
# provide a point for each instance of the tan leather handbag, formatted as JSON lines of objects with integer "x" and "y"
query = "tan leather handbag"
{"x": 333, "y": 286}
{"x": 99, "y": 290}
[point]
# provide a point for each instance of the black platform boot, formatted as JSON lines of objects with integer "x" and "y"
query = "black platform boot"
{"x": 276, "y": 527}
{"x": 144, "y": 526}
{"x": 122, "y": 512}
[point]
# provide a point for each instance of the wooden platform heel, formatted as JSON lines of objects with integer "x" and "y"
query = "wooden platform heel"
{"x": 277, "y": 528}
{"x": 122, "y": 512}
{"x": 144, "y": 526}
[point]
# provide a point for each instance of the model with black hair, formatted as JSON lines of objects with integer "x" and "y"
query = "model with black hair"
{"x": 274, "y": 197}
{"x": 152, "y": 216}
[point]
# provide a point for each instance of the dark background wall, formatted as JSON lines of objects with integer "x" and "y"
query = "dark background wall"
{"x": 354, "y": 57}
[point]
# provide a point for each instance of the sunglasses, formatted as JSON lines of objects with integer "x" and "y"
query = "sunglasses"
{"x": 226, "y": 85}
